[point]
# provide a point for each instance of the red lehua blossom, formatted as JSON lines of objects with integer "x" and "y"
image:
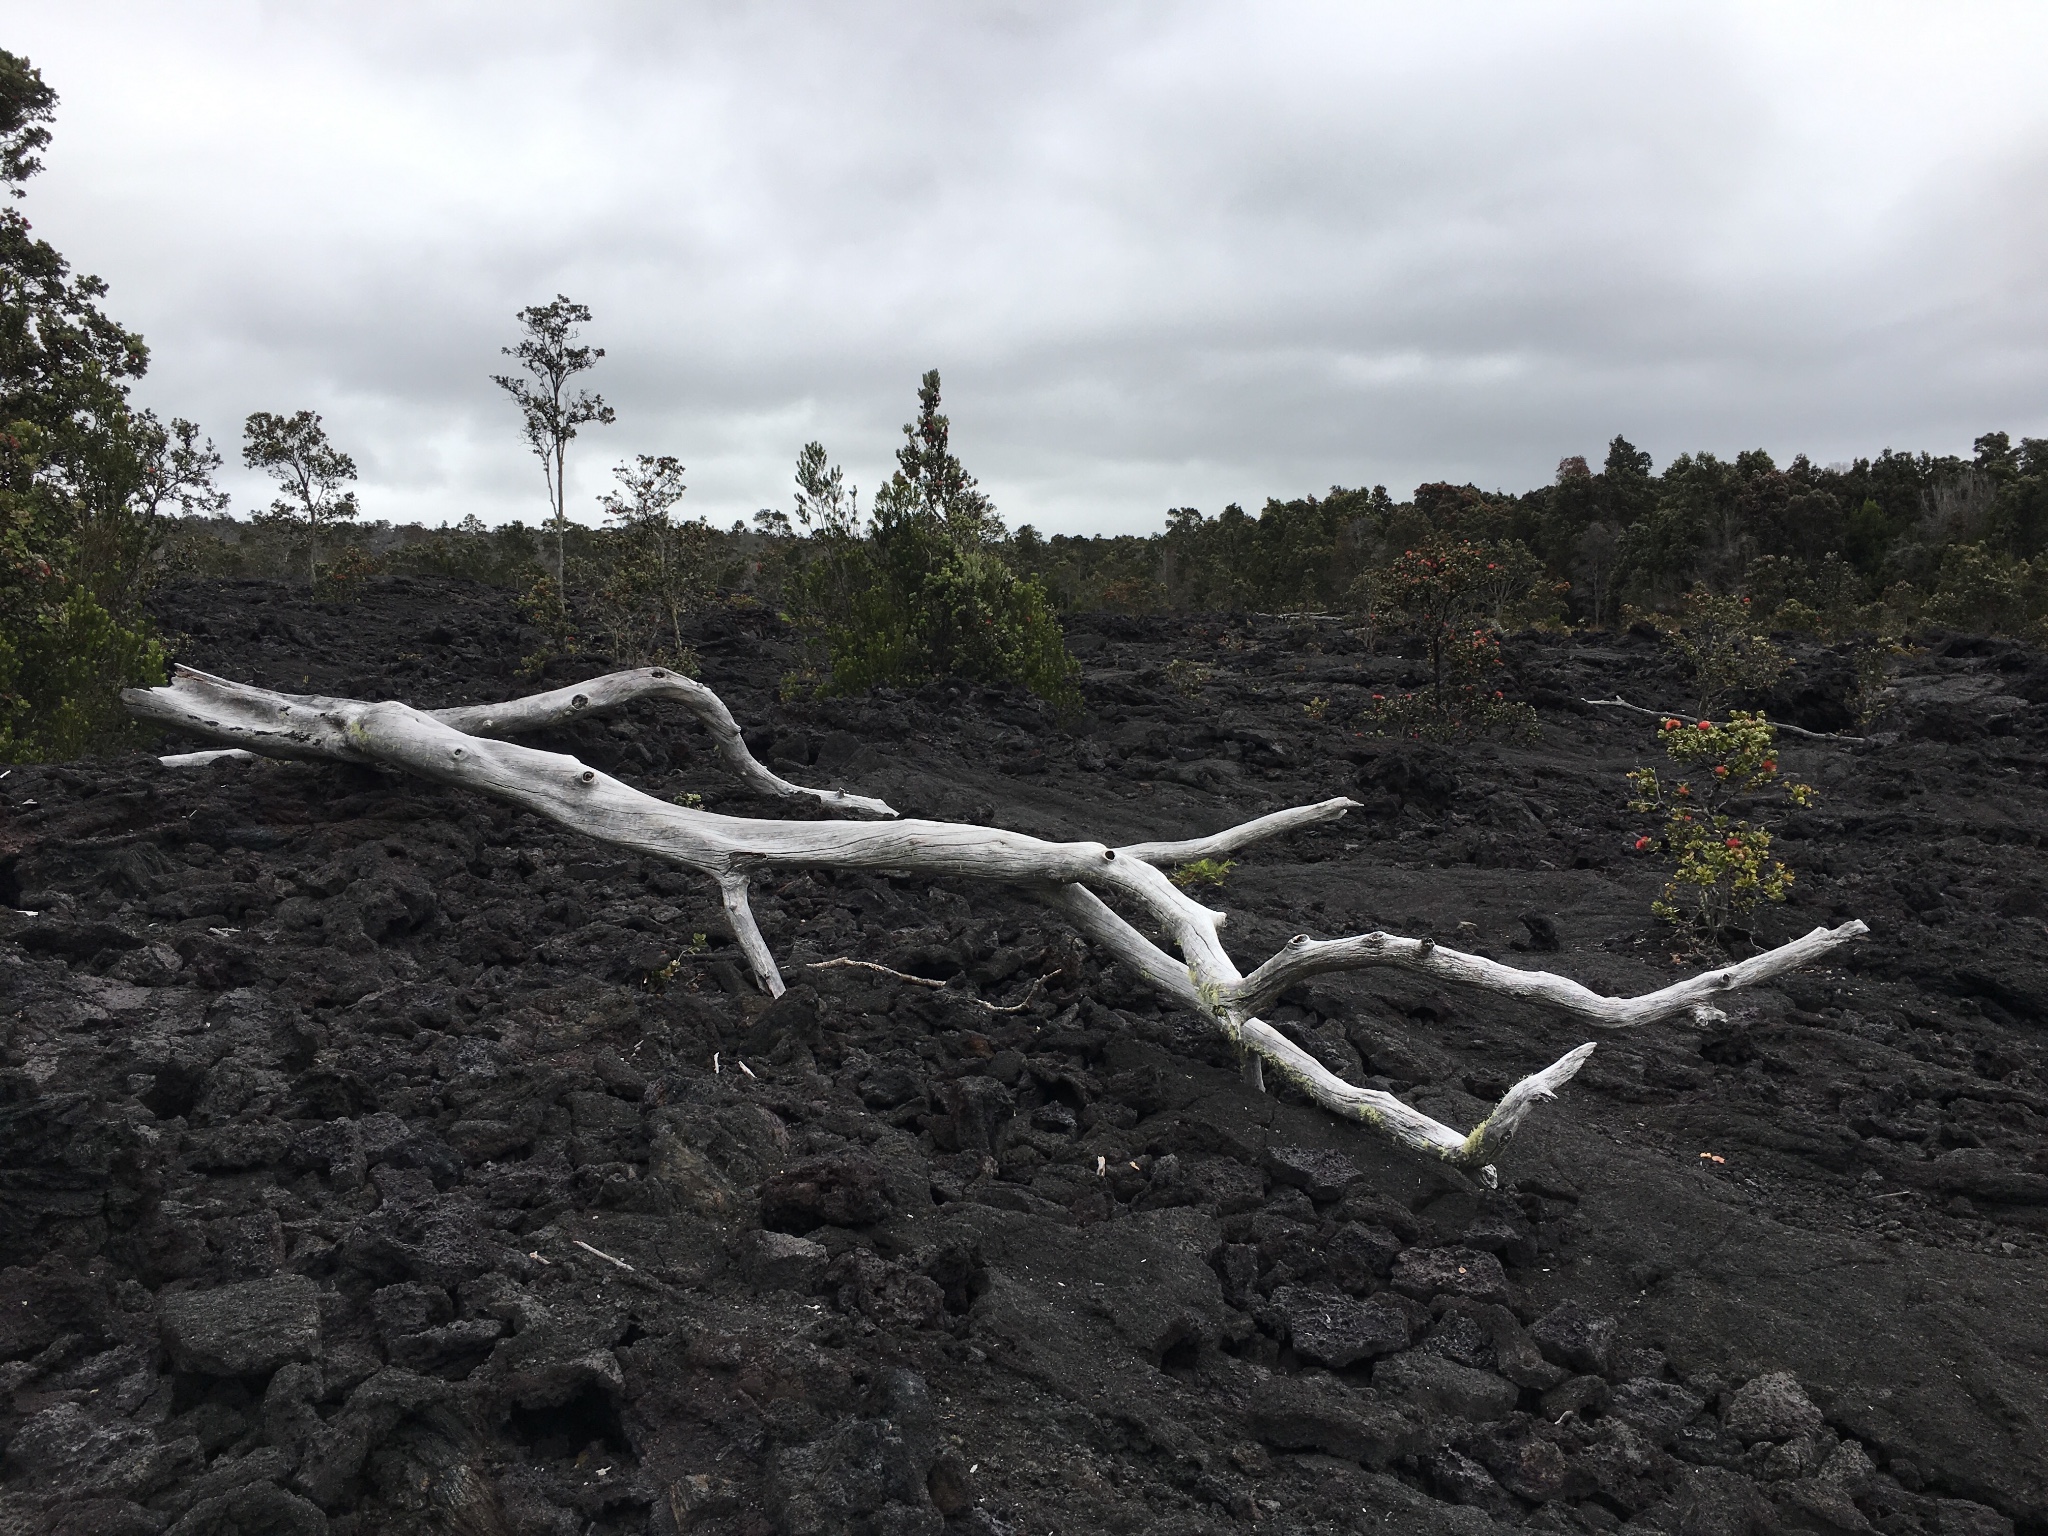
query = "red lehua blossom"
{"x": 1734, "y": 842}
{"x": 1642, "y": 843}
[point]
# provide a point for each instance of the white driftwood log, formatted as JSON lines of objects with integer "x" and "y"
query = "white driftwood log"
{"x": 600, "y": 696}
{"x": 1073, "y": 878}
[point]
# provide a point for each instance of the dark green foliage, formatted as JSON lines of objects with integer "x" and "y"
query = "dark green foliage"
{"x": 83, "y": 478}
{"x": 26, "y": 107}
{"x": 1863, "y": 550}
{"x": 923, "y": 591}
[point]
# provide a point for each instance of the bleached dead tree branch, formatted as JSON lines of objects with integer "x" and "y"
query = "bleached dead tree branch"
{"x": 1077, "y": 879}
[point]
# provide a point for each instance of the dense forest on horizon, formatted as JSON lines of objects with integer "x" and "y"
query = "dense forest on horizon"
{"x": 1871, "y": 546}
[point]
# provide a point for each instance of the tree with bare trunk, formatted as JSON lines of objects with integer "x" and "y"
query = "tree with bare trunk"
{"x": 1077, "y": 879}
{"x": 550, "y": 415}
{"x": 312, "y": 471}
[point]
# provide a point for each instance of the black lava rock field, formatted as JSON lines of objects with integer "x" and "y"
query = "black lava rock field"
{"x": 375, "y": 1157}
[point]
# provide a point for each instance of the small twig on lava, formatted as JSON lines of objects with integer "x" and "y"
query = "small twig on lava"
{"x": 601, "y": 1254}
{"x": 1023, "y": 1002}
{"x": 844, "y": 964}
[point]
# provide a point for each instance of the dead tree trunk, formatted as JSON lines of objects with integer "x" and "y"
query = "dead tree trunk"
{"x": 1079, "y": 880}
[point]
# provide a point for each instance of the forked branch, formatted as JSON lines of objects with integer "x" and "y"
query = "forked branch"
{"x": 1077, "y": 879}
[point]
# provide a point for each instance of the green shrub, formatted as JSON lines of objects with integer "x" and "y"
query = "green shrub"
{"x": 922, "y": 592}
{"x": 1188, "y": 677}
{"x": 341, "y": 580}
{"x": 1988, "y": 593}
{"x": 1720, "y": 646}
{"x": 62, "y": 667}
{"x": 544, "y": 607}
{"x": 647, "y": 576}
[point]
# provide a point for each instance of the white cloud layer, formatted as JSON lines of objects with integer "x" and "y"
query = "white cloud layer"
{"x": 1164, "y": 254}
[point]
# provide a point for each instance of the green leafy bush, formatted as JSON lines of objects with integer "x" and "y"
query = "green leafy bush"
{"x": 543, "y": 606}
{"x": 1721, "y": 864}
{"x": 1188, "y": 677}
{"x": 342, "y": 579}
{"x": 922, "y": 592}
{"x": 62, "y": 662}
{"x": 82, "y": 478}
{"x": 1980, "y": 590}
{"x": 1720, "y": 646}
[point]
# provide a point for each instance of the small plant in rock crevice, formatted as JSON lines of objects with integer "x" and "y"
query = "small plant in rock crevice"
{"x": 1203, "y": 872}
{"x": 1721, "y": 864}
{"x": 1188, "y": 678}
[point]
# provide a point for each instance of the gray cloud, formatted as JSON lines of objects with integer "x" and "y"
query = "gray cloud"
{"x": 1163, "y": 254}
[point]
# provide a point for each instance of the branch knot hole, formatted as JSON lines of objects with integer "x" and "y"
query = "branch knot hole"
{"x": 588, "y": 776}
{"x": 579, "y": 701}
{"x": 1109, "y": 853}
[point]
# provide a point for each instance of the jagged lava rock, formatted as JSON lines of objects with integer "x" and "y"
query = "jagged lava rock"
{"x": 1337, "y": 1331}
{"x": 1772, "y": 1407}
{"x": 1426, "y": 1272}
{"x": 248, "y": 1329}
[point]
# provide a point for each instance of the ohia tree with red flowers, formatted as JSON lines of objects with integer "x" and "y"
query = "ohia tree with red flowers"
{"x": 1721, "y": 864}
{"x": 1454, "y": 596}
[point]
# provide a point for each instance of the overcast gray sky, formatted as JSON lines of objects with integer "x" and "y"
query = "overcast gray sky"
{"x": 1163, "y": 254}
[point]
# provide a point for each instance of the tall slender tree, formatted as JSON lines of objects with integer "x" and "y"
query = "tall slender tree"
{"x": 549, "y": 353}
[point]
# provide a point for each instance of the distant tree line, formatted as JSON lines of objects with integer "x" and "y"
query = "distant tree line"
{"x": 1880, "y": 544}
